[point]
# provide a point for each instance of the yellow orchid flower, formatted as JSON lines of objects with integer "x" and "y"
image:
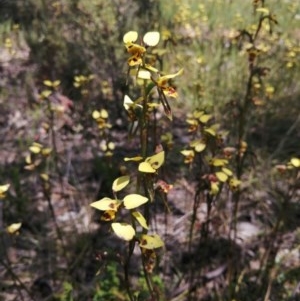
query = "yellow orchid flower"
{"x": 135, "y": 48}
{"x": 135, "y": 60}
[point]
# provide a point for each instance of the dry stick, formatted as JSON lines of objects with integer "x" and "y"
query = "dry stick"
{"x": 8, "y": 267}
{"x": 16, "y": 279}
{"x": 46, "y": 193}
{"x": 126, "y": 269}
{"x": 52, "y": 213}
{"x": 193, "y": 221}
{"x": 1, "y": 215}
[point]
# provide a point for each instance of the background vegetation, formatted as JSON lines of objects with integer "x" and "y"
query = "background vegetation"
{"x": 63, "y": 60}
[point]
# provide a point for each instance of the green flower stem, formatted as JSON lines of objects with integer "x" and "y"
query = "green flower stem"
{"x": 126, "y": 269}
{"x": 144, "y": 124}
{"x": 240, "y": 160}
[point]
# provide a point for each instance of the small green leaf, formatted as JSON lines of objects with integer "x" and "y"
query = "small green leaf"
{"x": 123, "y": 231}
{"x": 140, "y": 218}
{"x": 120, "y": 183}
{"x": 149, "y": 87}
{"x": 151, "y": 242}
{"x": 134, "y": 200}
{"x": 151, "y": 68}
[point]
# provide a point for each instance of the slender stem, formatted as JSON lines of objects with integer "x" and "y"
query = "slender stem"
{"x": 46, "y": 193}
{"x": 57, "y": 228}
{"x": 240, "y": 159}
{"x": 17, "y": 279}
{"x": 126, "y": 269}
{"x": 144, "y": 124}
{"x": 148, "y": 279}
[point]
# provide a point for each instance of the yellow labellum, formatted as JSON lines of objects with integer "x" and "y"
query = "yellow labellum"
{"x": 108, "y": 215}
